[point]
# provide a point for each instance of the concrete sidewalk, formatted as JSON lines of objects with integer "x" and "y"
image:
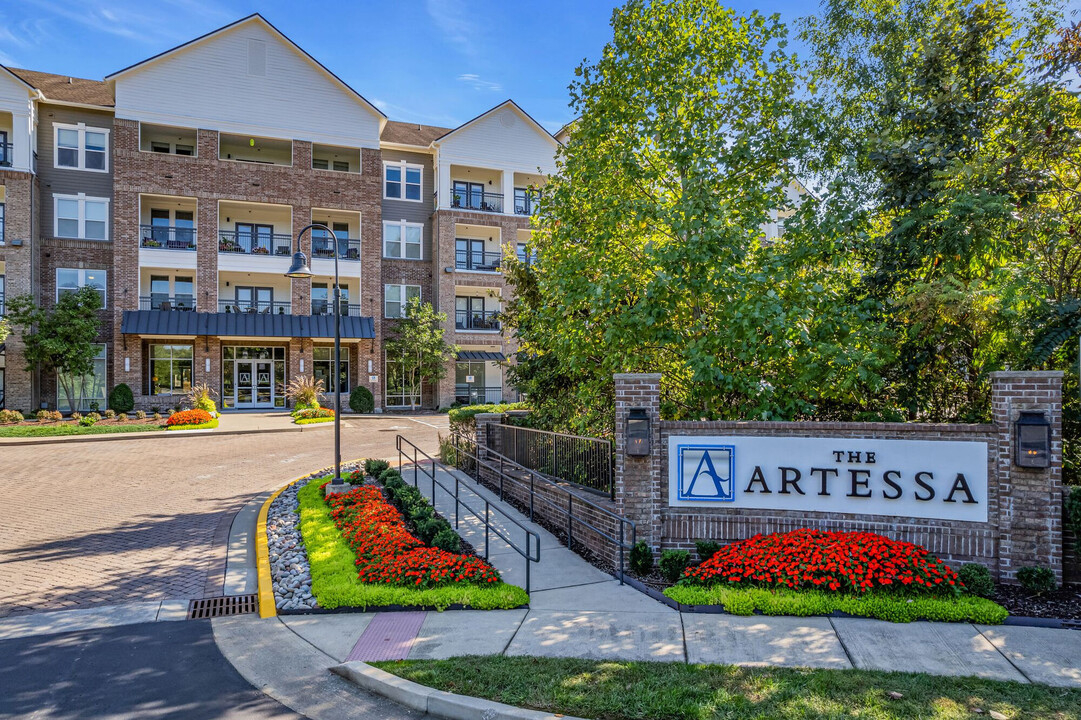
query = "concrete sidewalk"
{"x": 578, "y": 611}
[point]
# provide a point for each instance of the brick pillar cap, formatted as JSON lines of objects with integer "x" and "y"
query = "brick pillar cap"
{"x": 637, "y": 376}
{"x": 487, "y": 416}
{"x": 1000, "y": 374}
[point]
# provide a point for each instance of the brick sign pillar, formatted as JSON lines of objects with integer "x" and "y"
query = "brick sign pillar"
{"x": 640, "y": 481}
{"x": 1030, "y": 500}
{"x": 483, "y": 421}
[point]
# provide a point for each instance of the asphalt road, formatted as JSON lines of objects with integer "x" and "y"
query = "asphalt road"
{"x": 153, "y": 670}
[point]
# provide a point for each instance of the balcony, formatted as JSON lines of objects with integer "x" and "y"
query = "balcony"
{"x": 325, "y": 307}
{"x": 254, "y": 243}
{"x": 479, "y": 260}
{"x": 167, "y": 237}
{"x": 161, "y": 301}
{"x": 476, "y": 319}
{"x": 2, "y": 305}
{"x": 6, "y": 154}
{"x": 255, "y": 307}
{"x": 475, "y": 199}
{"x": 525, "y": 202}
{"x": 469, "y": 395}
{"x": 348, "y": 248}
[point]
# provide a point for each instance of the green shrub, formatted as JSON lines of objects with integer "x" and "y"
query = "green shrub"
{"x": 361, "y": 400}
{"x": 76, "y": 416}
{"x": 387, "y": 472}
{"x": 977, "y": 579}
{"x": 375, "y": 468}
{"x": 109, "y": 414}
{"x": 448, "y": 540}
{"x": 428, "y": 528}
{"x": 1071, "y": 514}
{"x": 44, "y": 416}
{"x": 88, "y": 420}
{"x": 157, "y": 417}
{"x": 461, "y": 418}
{"x": 121, "y": 398}
{"x": 394, "y": 482}
{"x": 10, "y": 416}
{"x": 140, "y": 414}
{"x": 94, "y": 416}
{"x": 673, "y": 563}
{"x": 706, "y": 549}
{"x": 641, "y": 559}
{"x": 1037, "y": 580}
{"x": 421, "y": 512}
{"x": 121, "y": 417}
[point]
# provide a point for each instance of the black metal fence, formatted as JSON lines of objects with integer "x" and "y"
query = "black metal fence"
{"x": 167, "y": 237}
{"x": 584, "y": 461}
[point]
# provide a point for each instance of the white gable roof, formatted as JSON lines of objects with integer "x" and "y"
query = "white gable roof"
{"x": 504, "y": 136}
{"x": 248, "y": 78}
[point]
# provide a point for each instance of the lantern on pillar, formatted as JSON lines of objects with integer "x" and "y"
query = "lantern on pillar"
{"x": 638, "y": 432}
{"x": 1032, "y": 440}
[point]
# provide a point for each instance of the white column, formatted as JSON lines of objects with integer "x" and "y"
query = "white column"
{"x": 508, "y": 192}
{"x": 443, "y": 184}
{"x": 22, "y": 142}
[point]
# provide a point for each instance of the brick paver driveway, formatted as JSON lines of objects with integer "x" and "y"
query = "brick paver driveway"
{"x": 93, "y": 523}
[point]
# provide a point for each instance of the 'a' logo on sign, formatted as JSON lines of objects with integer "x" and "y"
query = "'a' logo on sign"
{"x": 705, "y": 473}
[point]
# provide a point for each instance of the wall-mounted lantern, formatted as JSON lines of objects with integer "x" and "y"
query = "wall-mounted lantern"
{"x": 1032, "y": 440}
{"x": 638, "y": 432}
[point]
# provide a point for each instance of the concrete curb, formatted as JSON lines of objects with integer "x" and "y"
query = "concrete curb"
{"x": 267, "y": 607}
{"x": 434, "y": 702}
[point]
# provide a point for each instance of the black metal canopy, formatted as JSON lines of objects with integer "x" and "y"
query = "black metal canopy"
{"x": 177, "y": 323}
{"x": 480, "y": 355}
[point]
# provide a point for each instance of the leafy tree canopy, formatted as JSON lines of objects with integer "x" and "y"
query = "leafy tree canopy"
{"x": 420, "y": 347}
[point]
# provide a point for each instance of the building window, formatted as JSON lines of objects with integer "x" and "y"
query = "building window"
{"x": 86, "y": 392}
{"x": 402, "y": 240}
{"x": 401, "y": 391}
{"x": 320, "y": 164}
{"x": 79, "y": 216}
{"x": 402, "y": 181}
{"x": 397, "y": 297}
{"x": 71, "y": 279}
{"x": 170, "y": 369}
{"x": 79, "y": 147}
{"x": 323, "y": 368}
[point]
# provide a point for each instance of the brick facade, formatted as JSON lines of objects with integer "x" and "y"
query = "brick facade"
{"x": 1024, "y": 525}
{"x": 21, "y": 210}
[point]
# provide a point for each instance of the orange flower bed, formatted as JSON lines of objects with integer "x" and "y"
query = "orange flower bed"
{"x": 188, "y": 417}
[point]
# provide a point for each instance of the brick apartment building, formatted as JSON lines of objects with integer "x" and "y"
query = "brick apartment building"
{"x": 178, "y": 186}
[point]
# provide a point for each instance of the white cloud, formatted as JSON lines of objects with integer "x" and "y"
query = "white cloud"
{"x": 454, "y": 25}
{"x": 478, "y": 83}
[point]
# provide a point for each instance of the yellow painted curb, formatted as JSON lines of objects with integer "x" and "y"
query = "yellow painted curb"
{"x": 267, "y": 607}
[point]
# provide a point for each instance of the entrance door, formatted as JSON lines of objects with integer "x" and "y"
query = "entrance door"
{"x": 254, "y": 383}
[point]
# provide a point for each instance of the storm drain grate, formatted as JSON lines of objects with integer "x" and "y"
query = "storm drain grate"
{"x": 222, "y": 606}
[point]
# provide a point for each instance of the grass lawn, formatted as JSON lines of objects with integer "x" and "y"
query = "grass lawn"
{"x": 884, "y": 606}
{"x": 609, "y": 690}
{"x": 334, "y": 572}
{"x": 51, "y": 430}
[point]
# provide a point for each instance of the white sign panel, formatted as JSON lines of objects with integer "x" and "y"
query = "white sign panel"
{"x": 945, "y": 480}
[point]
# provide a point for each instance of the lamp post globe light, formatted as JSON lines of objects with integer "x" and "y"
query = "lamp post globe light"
{"x": 299, "y": 269}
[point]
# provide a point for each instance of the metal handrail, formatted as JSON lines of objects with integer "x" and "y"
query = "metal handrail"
{"x": 480, "y": 260}
{"x": 621, "y": 543}
{"x": 419, "y": 456}
{"x": 560, "y": 455}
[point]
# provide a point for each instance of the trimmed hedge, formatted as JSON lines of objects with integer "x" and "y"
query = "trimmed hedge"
{"x": 461, "y": 418}
{"x": 893, "y": 607}
{"x": 121, "y": 399}
{"x": 361, "y": 400}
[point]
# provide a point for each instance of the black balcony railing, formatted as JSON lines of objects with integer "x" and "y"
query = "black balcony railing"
{"x": 253, "y": 307}
{"x": 326, "y": 307}
{"x": 476, "y": 319}
{"x": 167, "y": 237}
{"x": 348, "y": 248}
{"x": 5, "y": 154}
{"x": 476, "y": 260}
{"x": 526, "y": 205}
{"x": 2, "y": 307}
{"x": 161, "y": 301}
{"x": 477, "y": 200}
{"x": 470, "y": 395}
{"x": 254, "y": 243}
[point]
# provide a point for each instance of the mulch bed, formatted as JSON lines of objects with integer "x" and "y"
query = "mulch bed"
{"x": 64, "y": 423}
{"x": 1063, "y": 604}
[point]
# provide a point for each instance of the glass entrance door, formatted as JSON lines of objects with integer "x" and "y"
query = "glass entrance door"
{"x": 254, "y": 383}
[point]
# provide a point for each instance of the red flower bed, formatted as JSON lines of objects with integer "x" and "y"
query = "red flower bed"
{"x": 388, "y": 553}
{"x": 189, "y": 417}
{"x": 818, "y": 560}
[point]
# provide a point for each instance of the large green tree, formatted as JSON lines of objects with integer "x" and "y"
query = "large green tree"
{"x": 61, "y": 338}
{"x": 651, "y": 253}
{"x": 419, "y": 348}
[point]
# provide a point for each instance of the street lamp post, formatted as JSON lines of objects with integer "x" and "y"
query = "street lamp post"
{"x": 300, "y": 269}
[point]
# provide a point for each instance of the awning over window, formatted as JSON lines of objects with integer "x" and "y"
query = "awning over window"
{"x": 480, "y": 356}
{"x": 179, "y": 323}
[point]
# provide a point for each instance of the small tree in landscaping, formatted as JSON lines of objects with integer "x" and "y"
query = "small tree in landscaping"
{"x": 420, "y": 348}
{"x": 121, "y": 399}
{"x": 60, "y": 339}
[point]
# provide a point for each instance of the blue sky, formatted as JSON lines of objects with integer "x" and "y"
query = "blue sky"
{"x": 438, "y": 62}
